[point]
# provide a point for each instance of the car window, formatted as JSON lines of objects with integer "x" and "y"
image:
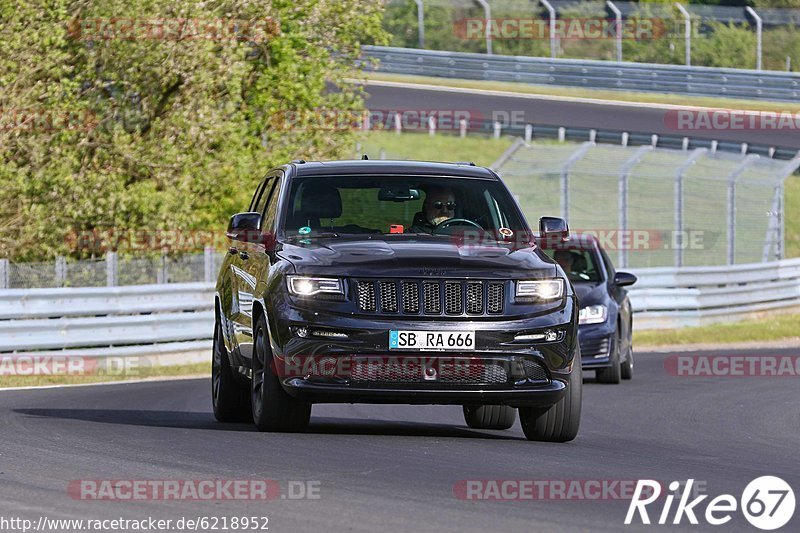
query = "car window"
{"x": 579, "y": 265}
{"x": 383, "y": 204}
{"x": 260, "y": 203}
{"x": 610, "y": 270}
{"x": 271, "y": 210}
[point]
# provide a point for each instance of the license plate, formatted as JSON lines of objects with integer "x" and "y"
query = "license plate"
{"x": 441, "y": 341}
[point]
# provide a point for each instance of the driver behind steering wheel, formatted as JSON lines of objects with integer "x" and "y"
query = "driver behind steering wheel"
{"x": 439, "y": 205}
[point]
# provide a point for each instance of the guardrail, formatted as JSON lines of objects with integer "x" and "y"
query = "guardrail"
{"x": 593, "y": 74}
{"x": 98, "y": 321}
{"x": 162, "y": 320}
{"x": 694, "y": 296}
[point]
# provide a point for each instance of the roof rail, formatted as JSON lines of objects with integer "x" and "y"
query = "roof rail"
{"x": 470, "y": 163}
{"x": 298, "y": 161}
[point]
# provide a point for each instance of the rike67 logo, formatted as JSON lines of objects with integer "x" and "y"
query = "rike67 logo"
{"x": 767, "y": 503}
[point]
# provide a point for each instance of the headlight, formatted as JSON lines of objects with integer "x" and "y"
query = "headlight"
{"x": 545, "y": 289}
{"x": 593, "y": 314}
{"x": 308, "y": 286}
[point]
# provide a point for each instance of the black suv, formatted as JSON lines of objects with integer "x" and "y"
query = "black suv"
{"x": 394, "y": 282}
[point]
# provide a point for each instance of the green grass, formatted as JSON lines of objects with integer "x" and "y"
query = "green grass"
{"x": 576, "y": 92}
{"x": 141, "y": 373}
{"x": 792, "y": 213}
{"x": 776, "y": 327}
{"x": 440, "y": 147}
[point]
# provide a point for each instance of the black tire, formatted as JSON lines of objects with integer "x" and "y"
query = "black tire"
{"x": 612, "y": 374}
{"x": 273, "y": 408}
{"x": 230, "y": 400}
{"x": 560, "y": 422}
{"x": 489, "y": 416}
{"x": 627, "y": 366}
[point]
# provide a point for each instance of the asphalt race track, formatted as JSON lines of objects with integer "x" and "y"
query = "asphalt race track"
{"x": 393, "y": 468}
{"x": 642, "y": 118}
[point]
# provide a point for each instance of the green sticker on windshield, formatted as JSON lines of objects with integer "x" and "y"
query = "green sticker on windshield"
{"x": 305, "y": 230}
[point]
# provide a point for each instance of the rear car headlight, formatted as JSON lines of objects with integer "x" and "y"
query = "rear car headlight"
{"x": 593, "y": 314}
{"x": 540, "y": 290}
{"x": 313, "y": 286}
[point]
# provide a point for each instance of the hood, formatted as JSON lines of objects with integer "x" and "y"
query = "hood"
{"x": 418, "y": 256}
{"x": 590, "y": 292}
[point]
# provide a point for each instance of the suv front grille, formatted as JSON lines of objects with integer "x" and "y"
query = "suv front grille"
{"x": 451, "y": 297}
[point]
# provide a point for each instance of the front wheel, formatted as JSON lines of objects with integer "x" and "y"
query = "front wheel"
{"x": 627, "y": 366}
{"x": 489, "y": 416}
{"x": 273, "y": 408}
{"x": 559, "y": 422}
{"x": 230, "y": 400}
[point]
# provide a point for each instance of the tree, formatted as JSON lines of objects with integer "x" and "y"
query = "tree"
{"x": 158, "y": 114}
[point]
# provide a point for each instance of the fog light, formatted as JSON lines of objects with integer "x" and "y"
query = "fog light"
{"x": 550, "y": 335}
{"x": 301, "y": 332}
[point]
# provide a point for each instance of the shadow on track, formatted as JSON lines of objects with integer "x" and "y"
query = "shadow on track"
{"x": 319, "y": 425}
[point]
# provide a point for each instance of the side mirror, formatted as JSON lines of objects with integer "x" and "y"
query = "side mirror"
{"x": 553, "y": 231}
{"x": 245, "y": 227}
{"x": 623, "y": 279}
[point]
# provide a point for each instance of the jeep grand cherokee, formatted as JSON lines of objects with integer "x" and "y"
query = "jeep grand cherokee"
{"x": 394, "y": 282}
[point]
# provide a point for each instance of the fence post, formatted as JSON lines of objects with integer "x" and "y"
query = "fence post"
{"x": 576, "y": 155}
{"x": 161, "y": 275}
{"x": 431, "y": 126}
{"x": 759, "y": 25}
{"x": 552, "y": 11}
{"x": 738, "y": 171}
{"x": 677, "y": 239}
{"x": 112, "y": 269}
{"x": 497, "y": 128}
{"x": 687, "y": 25}
{"x": 618, "y": 27}
{"x": 775, "y": 229}
{"x": 398, "y": 126}
{"x": 208, "y": 264}
{"x": 420, "y": 23}
{"x": 5, "y": 273}
{"x": 624, "y": 174}
{"x": 487, "y": 12}
{"x": 61, "y": 271}
{"x": 528, "y": 132}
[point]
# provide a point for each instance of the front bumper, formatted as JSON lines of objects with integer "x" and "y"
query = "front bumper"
{"x": 535, "y": 373}
{"x": 597, "y": 343}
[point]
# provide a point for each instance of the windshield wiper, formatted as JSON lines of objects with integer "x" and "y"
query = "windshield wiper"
{"x": 323, "y": 234}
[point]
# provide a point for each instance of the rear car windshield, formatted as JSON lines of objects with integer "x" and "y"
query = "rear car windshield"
{"x": 362, "y": 205}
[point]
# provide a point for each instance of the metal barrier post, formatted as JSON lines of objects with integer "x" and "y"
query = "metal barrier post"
{"x": 112, "y": 267}
{"x": 759, "y": 24}
{"x": 487, "y": 11}
{"x": 677, "y": 239}
{"x": 618, "y": 27}
{"x": 624, "y": 174}
{"x": 552, "y": 11}
{"x": 61, "y": 271}
{"x": 5, "y": 273}
{"x": 687, "y": 25}
{"x": 420, "y": 23}
{"x": 208, "y": 264}
{"x": 738, "y": 171}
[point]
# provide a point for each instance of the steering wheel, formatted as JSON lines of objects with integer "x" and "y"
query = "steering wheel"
{"x": 455, "y": 222}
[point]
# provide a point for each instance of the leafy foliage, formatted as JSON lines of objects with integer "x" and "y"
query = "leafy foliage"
{"x": 162, "y": 132}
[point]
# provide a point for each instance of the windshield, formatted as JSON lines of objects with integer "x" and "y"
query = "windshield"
{"x": 579, "y": 265}
{"x": 381, "y": 205}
